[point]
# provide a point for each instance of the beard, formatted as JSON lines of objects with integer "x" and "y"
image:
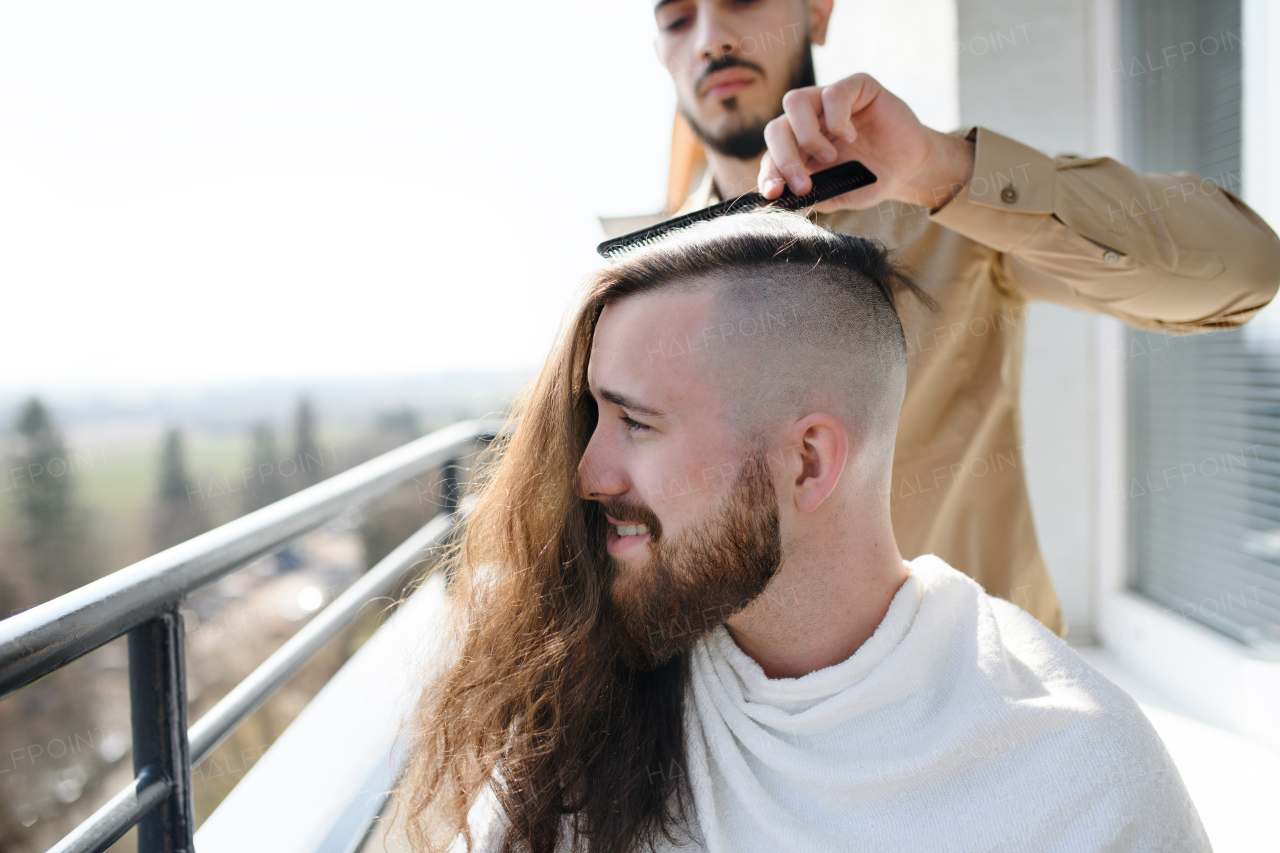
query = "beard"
{"x": 743, "y": 139}
{"x": 693, "y": 583}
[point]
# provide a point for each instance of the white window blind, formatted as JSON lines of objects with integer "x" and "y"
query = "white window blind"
{"x": 1203, "y": 488}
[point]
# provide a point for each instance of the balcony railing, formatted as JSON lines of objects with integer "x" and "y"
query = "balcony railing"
{"x": 145, "y": 602}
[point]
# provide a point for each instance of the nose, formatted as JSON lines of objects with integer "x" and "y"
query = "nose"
{"x": 715, "y": 37}
{"x": 599, "y": 476}
{"x": 712, "y": 52}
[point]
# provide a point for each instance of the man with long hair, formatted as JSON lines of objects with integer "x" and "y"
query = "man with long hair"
{"x": 683, "y": 621}
{"x": 987, "y": 225}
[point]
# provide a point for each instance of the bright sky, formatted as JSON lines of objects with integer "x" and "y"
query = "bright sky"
{"x": 270, "y": 190}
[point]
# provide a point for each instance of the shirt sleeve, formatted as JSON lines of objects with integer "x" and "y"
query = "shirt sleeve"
{"x": 1163, "y": 252}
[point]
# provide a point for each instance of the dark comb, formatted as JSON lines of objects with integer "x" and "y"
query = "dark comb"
{"x": 827, "y": 184}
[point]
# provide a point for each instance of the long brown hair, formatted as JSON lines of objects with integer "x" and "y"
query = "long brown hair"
{"x": 536, "y": 705}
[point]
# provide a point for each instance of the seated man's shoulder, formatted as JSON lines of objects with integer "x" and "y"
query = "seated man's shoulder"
{"x": 1009, "y": 664}
{"x": 1027, "y": 719}
{"x": 1090, "y": 735}
{"x": 1028, "y": 661}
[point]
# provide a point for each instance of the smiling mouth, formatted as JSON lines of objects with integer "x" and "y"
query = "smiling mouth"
{"x": 625, "y": 534}
{"x": 622, "y": 527}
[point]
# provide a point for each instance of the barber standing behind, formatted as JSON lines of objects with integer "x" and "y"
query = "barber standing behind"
{"x": 986, "y": 225}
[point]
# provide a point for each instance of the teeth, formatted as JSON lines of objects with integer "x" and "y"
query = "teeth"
{"x": 632, "y": 529}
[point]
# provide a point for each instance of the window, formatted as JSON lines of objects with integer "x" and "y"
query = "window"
{"x": 1203, "y": 491}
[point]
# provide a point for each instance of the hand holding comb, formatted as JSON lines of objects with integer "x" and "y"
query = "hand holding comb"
{"x": 827, "y": 184}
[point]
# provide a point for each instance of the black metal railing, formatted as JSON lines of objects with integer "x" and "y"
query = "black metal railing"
{"x": 145, "y": 602}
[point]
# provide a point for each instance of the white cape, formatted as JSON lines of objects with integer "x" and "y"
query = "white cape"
{"x": 963, "y": 724}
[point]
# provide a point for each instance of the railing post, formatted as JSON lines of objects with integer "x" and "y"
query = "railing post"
{"x": 451, "y": 490}
{"x": 158, "y": 706}
{"x": 451, "y": 485}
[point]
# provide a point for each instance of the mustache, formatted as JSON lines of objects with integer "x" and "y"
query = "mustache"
{"x": 632, "y": 511}
{"x": 721, "y": 63}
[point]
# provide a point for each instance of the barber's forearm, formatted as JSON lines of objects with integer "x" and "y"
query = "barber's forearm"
{"x": 1172, "y": 249}
{"x": 1160, "y": 251}
{"x": 945, "y": 173}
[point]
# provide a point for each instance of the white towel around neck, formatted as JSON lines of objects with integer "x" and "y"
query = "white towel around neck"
{"x": 962, "y": 724}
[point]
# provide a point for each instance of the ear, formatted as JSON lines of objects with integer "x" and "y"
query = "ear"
{"x": 819, "y": 17}
{"x": 821, "y": 448}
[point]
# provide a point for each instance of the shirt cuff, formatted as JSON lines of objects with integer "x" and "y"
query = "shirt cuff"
{"x": 1006, "y": 200}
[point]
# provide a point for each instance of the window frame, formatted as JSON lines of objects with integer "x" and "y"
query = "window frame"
{"x": 1226, "y": 682}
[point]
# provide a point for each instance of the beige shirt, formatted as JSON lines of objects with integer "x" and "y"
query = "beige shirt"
{"x": 1166, "y": 253}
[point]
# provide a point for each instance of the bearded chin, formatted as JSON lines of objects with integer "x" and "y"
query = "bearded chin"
{"x": 696, "y": 581}
{"x": 745, "y": 140}
{"x": 741, "y": 143}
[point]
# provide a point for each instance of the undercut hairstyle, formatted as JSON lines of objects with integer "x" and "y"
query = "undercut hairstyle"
{"x": 536, "y": 709}
{"x": 811, "y": 313}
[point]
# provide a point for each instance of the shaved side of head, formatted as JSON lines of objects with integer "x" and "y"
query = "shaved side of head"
{"x": 805, "y": 320}
{"x": 811, "y": 340}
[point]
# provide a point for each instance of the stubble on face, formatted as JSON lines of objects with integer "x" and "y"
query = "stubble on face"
{"x": 695, "y": 581}
{"x": 742, "y": 135}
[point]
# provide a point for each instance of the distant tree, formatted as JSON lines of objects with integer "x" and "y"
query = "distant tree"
{"x": 49, "y": 550}
{"x": 46, "y": 480}
{"x": 306, "y": 450}
{"x": 180, "y": 511}
{"x": 264, "y": 485}
{"x": 174, "y": 488}
{"x": 53, "y": 530}
{"x": 401, "y": 425}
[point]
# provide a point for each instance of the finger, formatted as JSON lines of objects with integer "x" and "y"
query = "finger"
{"x": 801, "y": 107}
{"x": 786, "y": 155}
{"x": 837, "y": 112}
{"x": 771, "y": 182}
{"x": 862, "y": 90}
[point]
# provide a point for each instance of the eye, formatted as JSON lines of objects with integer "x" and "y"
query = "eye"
{"x": 676, "y": 25}
{"x": 634, "y": 425}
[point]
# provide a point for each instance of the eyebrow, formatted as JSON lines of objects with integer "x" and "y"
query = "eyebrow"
{"x": 640, "y": 408}
{"x": 662, "y": 3}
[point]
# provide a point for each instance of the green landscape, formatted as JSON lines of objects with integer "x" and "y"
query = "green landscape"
{"x": 88, "y": 488}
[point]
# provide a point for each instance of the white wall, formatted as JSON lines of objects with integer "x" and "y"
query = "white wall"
{"x": 909, "y": 47}
{"x": 1261, "y": 142}
{"x": 1261, "y": 128}
{"x": 1027, "y": 70}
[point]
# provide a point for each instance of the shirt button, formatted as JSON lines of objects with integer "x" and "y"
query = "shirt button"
{"x": 1009, "y": 195}
{"x": 1111, "y": 257}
